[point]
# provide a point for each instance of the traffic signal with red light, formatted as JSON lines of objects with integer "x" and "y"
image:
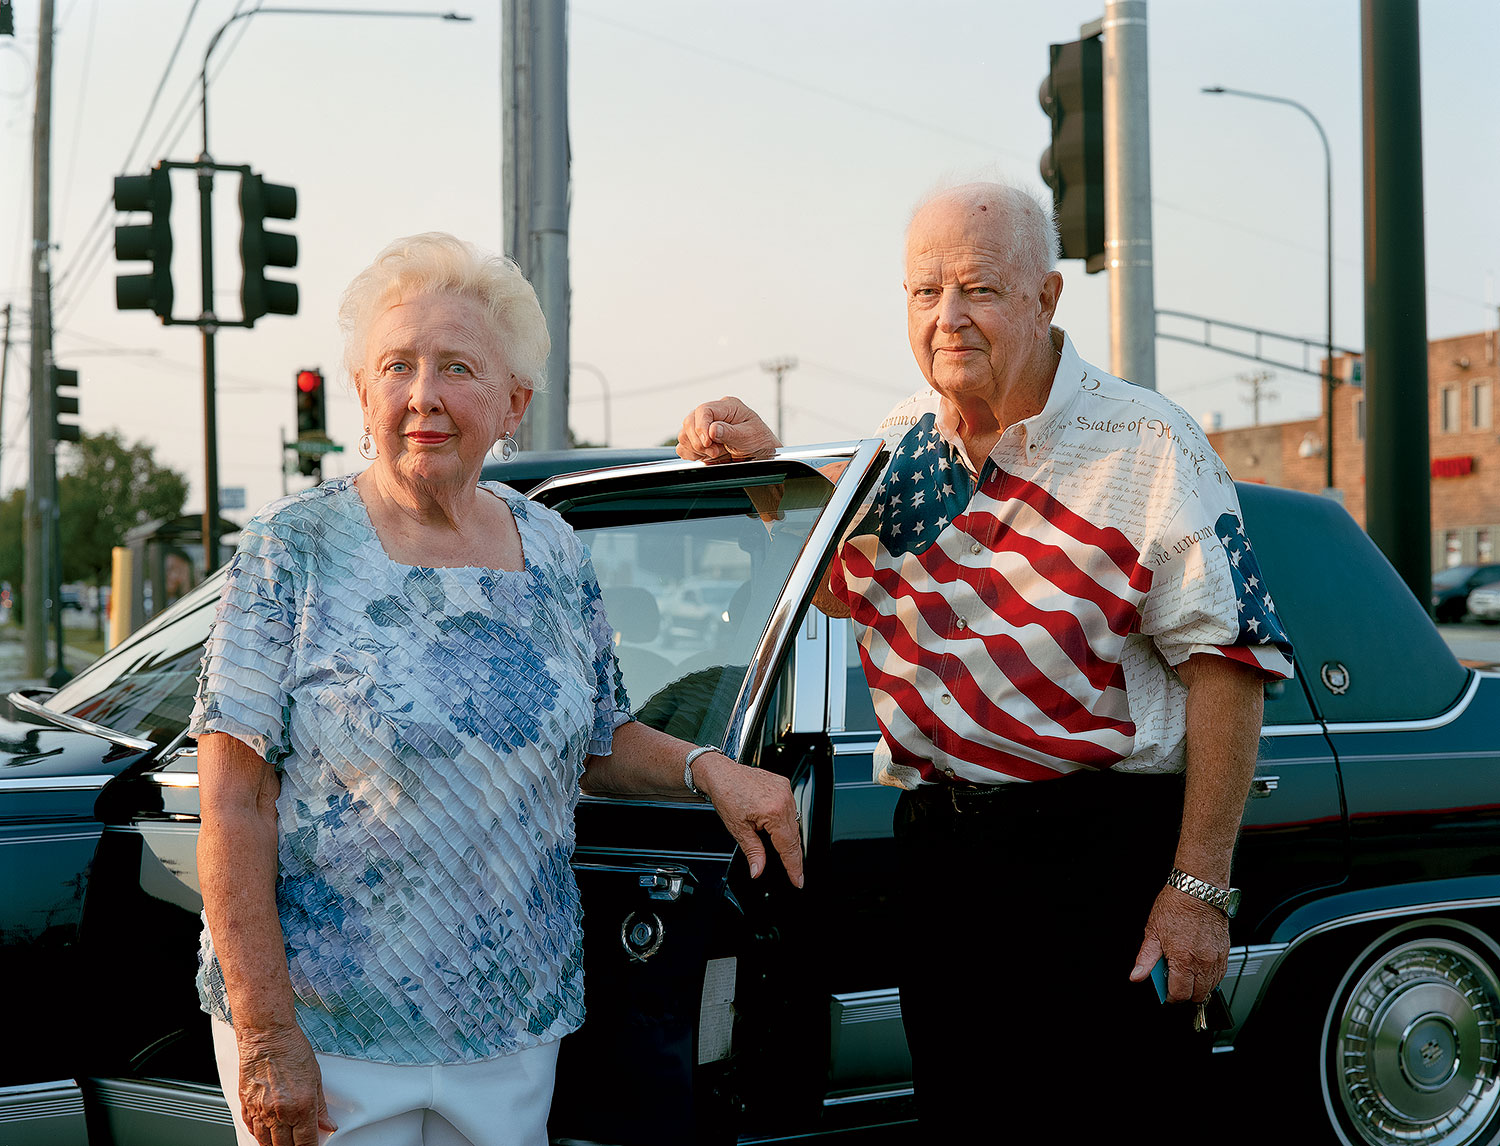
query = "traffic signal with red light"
{"x": 1072, "y": 95}
{"x": 312, "y": 420}
{"x": 153, "y": 241}
{"x": 260, "y": 248}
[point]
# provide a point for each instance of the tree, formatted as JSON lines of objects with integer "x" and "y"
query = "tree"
{"x": 12, "y": 550}
{"x": 106, "y": 489}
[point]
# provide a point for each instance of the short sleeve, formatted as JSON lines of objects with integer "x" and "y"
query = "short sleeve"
{"x": 244, "y": 685}
{"x": 1208, "y": 593}
{"x": 611, "y": 705}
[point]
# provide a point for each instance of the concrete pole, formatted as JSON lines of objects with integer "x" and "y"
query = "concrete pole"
{"x": 549, "y": 217}
{"x": 1127, "y": 194}
{"x": 515, "y": 127}
{"x": 1398, "y": 480}
{"x": 41, "y": 490}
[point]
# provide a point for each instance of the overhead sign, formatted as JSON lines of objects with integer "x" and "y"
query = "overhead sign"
{"x": 232, "y": 497}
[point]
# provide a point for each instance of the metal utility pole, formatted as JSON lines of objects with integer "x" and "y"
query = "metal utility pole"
{"x": 779, "y": 367}
{"x": 1127, "y": 193}
{"x": 4, "y": 369}
{"x": 41, "y": 503}
{"x": 536, "y": 177}
{"x": 1398, "y": 481}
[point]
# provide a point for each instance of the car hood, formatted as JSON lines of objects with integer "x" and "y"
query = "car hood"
{"x": 33, "y": 745}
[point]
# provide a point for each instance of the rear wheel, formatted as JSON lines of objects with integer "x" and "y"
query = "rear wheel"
{"x": 1410, "y": 1044}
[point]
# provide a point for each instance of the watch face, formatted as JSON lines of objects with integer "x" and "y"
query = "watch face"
{"x": 1233, "y": 903}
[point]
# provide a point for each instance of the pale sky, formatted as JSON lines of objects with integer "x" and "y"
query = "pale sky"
{"x": 742, "y": 173}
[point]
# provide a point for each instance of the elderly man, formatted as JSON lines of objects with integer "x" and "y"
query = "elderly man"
{"x": 1065, "y": 634}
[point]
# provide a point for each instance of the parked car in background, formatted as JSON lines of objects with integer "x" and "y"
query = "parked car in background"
{"x": 1364, "y": 977}
{"x": 1451, "y": 588}
{"x": 1484, "y": 603}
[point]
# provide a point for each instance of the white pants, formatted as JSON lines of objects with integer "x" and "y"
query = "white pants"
{"x": 498, "y": 1102}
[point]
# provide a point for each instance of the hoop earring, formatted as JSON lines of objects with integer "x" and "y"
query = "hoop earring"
{"x": 507, "y": 449}
{"x": 367, "y": 448}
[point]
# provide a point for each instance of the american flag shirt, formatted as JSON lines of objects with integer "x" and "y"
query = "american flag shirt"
{"x": 1018, "y": 620}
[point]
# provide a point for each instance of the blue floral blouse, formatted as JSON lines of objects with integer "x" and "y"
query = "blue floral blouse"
{"x": 430, "y": 728}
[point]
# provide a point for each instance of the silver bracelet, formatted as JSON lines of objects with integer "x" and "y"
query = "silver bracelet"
{"x": 687, "y": 772}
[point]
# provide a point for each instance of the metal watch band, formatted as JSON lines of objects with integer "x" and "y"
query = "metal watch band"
{"x": 687, "y": 772}
{"x": 1200, "y": 889}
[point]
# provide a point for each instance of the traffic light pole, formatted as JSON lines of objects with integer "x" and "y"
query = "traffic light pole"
{"x": 209, "y": 327}
{"x": 40, "y": 504}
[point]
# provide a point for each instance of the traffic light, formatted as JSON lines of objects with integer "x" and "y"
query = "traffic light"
{"x": 1072, "y": 95}
{"x": 151, "y": 193}
{"x": 312, "y": 419}
{"x": 7, "y": 19}
{"x": 64, "y": 404}
{"x": 260, "y": 248}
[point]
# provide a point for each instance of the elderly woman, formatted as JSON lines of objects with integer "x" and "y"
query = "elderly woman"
{"x": 409, "y": 675}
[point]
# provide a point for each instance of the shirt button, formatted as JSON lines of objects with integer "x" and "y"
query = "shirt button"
{"x": 950, "y": 773}
{"x": 961, "y": 623}
{"x": 976, "y": 549}
{"x": 945, "y": 698}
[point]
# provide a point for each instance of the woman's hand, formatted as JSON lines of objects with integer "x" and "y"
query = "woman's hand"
{"x": 751, "y": 801}
{"x": 281, "y": 1087}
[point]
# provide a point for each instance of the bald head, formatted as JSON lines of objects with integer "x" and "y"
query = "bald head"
{"x": 998, "y": 214}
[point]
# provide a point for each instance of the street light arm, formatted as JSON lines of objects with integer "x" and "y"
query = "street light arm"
{"x": 259, "y": 10}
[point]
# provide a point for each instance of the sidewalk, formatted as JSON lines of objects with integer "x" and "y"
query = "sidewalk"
{"x": 13, "y": 661}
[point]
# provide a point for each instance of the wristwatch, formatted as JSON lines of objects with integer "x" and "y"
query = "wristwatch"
{"x": 687, "y": 772}
{"x": 1226, "y": 901}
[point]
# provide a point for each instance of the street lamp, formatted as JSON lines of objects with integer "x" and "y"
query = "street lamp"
{"x": 603, "y": 385}
{"x": 1328, "y": 192}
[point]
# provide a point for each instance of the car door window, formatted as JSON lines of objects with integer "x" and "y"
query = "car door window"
{"x": 690, "y": 574}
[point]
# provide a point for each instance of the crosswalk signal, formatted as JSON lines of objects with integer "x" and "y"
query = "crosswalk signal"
{"x": 64, "y": 404}
{"x": 312, "y": 419}
{"x": 260, "y": 248}
{"x": 1072, "y": 95}
{"x": 151, "y": 193}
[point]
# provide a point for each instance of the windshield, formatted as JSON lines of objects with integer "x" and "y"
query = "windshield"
{"x": 144, "y": 687}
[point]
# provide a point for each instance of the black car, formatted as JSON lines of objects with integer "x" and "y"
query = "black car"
{"x": 1451, "y": 588}
{"x": 1364, "y": 979}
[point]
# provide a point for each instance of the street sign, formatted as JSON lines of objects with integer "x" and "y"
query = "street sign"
{"x": 232, "y": 497}
{"x": 316, "y": 446}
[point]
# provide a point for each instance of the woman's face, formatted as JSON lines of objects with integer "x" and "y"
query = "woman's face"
{"x": 436, "y": 389}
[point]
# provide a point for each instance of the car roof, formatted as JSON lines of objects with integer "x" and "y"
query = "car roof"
{"x": 532, "y": 467}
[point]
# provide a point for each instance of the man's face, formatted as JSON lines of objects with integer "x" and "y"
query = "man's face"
{"x": 973, "y": 316}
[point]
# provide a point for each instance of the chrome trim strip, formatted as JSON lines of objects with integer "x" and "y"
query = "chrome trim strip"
{"x": 837, "y": 631}
{"x": 54, "y": 784}
{"x": 871, "y": 1096}
{"x": 60, "y": 838}
{"x": 201, "y": 1104}
{"x": 173, "y": 779}
{"x": 77, "y": 724}
{"x": 810, "y": 675}
{"x": 669, "y": 466}
{"x": 40, "y": 1101}
{"x": 1459, "y": 708}
{"x": 755, "y": 693}
{"x": 685, "y": 802}
{"x": 589, "y": 858}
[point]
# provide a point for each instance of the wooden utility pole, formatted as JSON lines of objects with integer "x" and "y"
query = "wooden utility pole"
{"x": 1258, "y": 393}
{"x": 779, "y": 367}
{"x": 41, "y": 489}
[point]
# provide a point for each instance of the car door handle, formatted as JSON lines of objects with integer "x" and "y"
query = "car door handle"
{"x": 1263, "y": 786}
{"x": 662, "y": 881}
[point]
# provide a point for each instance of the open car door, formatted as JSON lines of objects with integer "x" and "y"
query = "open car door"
{"x": 706, "y": 573}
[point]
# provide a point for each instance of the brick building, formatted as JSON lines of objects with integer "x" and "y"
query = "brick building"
{"x": 1463, "y": 376}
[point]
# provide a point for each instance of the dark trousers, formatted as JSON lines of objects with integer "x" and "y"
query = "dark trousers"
{"x": 1024, "y": 910}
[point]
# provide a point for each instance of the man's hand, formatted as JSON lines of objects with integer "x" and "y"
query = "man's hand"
{"x": 281, "y": 1087}
{"x": 751, "y": 801}
{"x": 1195, "y": 939}
{"x": 726, "y": 430}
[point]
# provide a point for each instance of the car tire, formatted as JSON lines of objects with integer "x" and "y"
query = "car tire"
{"x": 1409, "y": 1042}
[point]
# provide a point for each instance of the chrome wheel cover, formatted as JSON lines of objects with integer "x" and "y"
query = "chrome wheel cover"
{"x": 1413, "y": 1053}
